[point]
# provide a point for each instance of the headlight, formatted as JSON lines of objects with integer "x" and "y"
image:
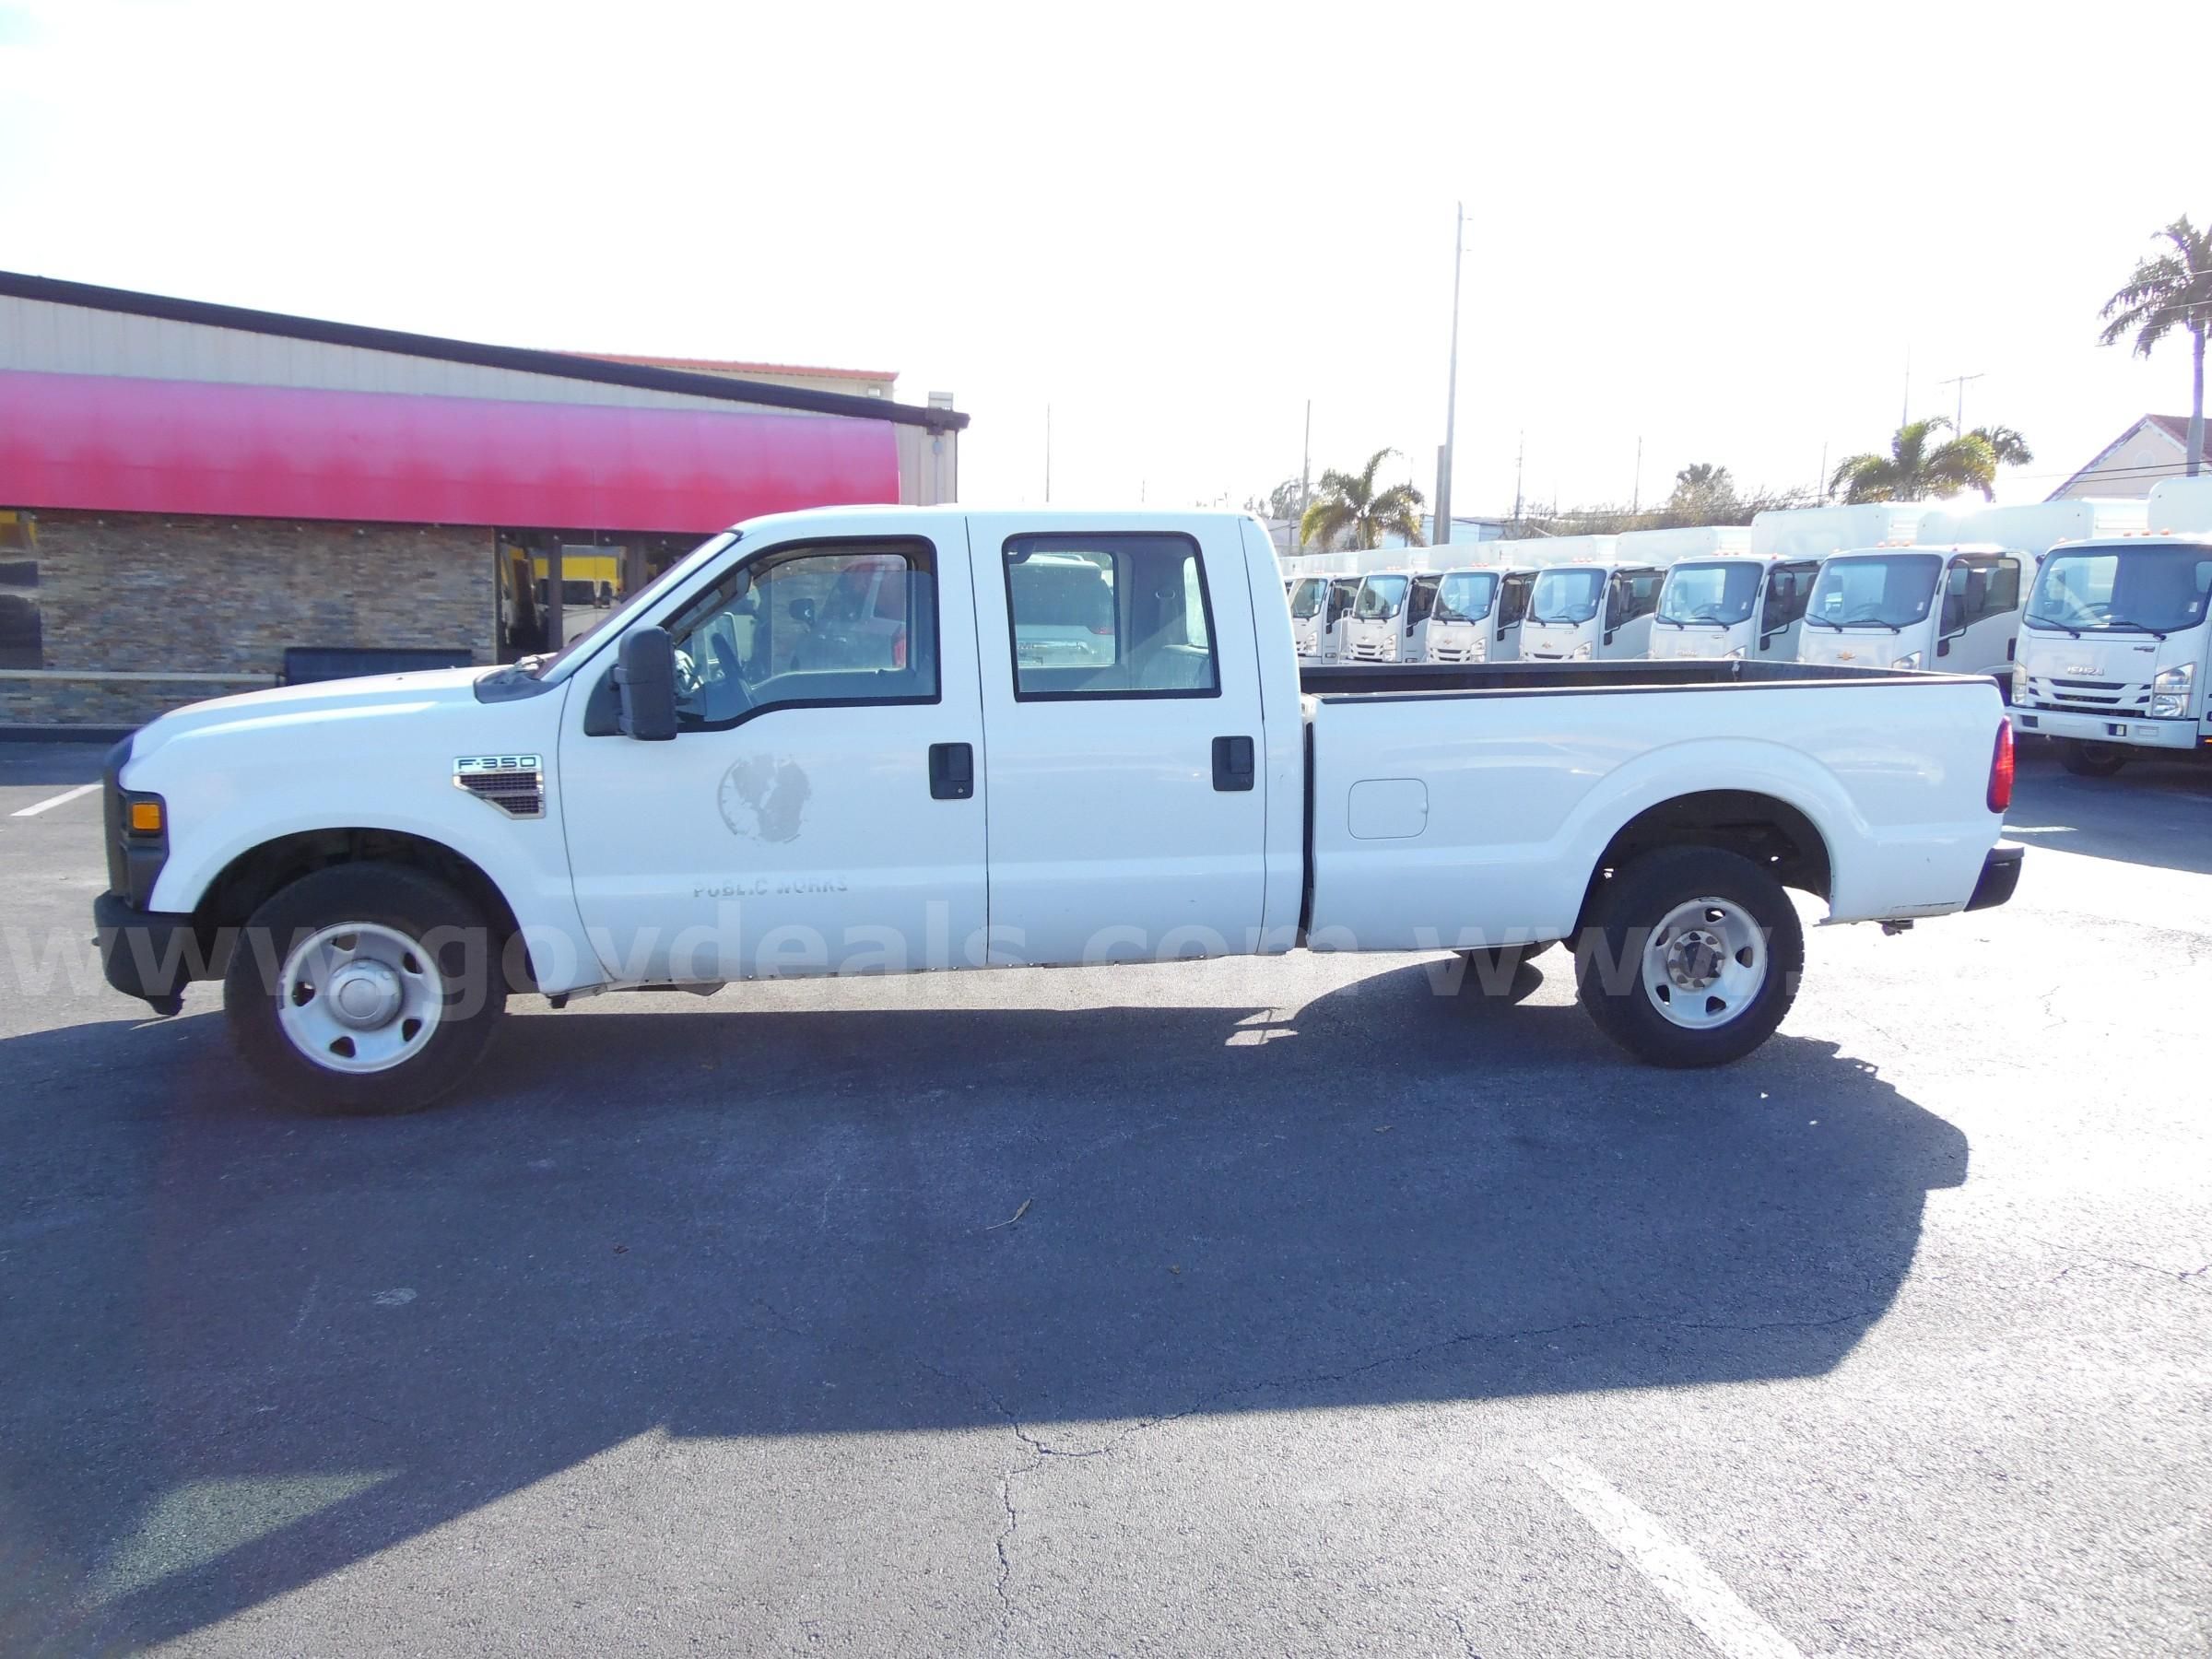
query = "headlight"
{"x": 1910, "y": 660}
{"x": 2019, "y": 682}
{"x": 2169, "y": 691}
{"x": 1732, "y": 656}
{"x": 1580, "y": 651}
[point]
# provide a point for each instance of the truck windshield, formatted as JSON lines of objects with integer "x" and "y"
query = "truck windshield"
{"x": 1567, "y": 596}
{"x": 1380, "y": 597}
{"x": 1305, "y": 599}
{"x": 1722, "y": 593}
{"x": 1465, "y": 596}
{"x": 1890, "y": 591}
{"x": 2123, "y": 590}
{"x": 618, "y": 618}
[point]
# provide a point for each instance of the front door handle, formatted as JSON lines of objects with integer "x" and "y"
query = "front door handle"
{"x": 1233, "y": 767}
{"x": 951, "y": 772}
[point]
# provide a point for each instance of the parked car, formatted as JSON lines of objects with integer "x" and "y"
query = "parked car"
{"x": 681, "y": 800}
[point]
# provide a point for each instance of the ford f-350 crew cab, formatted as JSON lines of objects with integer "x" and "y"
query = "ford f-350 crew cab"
{"x": 889, "y": 739}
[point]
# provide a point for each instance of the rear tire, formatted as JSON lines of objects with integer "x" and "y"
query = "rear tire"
{"x": 2086, "y": 759}
{"x": 364, "y": 988}
{"x": 1691, "y": 957}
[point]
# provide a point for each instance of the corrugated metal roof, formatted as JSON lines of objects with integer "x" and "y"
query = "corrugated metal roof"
{"x": 722, "y": 387}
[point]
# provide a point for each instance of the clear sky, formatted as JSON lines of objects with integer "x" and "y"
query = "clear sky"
{"x": 1720, "y": 229}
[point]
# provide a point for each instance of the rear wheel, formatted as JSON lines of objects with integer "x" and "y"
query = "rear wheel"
{"x": 2090, "y": 760}
{"x": 1691, "y": 957}
{"x": 367, "y": 988}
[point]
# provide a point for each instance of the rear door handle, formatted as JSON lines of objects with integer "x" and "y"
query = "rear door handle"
{"x": 1232, "y": 763}
{"x": 951, "y": 772}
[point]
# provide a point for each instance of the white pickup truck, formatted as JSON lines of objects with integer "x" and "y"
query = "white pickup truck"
{"x": 892, "y": 739}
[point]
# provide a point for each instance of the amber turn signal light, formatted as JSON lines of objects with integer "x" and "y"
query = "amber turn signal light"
{"x": 145, "y": 817}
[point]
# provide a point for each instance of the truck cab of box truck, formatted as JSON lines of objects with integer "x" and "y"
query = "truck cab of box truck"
{"x": 1464, "y": 620}
{"x": 2114, "y": 639}
{"x": 1308, "y": 597}
{"x": 1583, "y": 612}
{"x": 1720, "y": 601}
{"x": 1337, "y": 611}
{"x": 1375, "y": 629}
{"x": 1743, "y": 607}
{"x": 1949, "y": 609}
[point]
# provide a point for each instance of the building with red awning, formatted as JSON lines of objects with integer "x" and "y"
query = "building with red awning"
{"x": 187, "y": 490}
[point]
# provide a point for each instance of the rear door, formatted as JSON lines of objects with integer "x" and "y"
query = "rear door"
{"x": 1126, "y": 818}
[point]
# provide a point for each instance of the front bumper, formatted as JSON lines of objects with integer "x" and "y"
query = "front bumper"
{"x": 2135, "y": 733}
{"x": 2000, "y": 876}
{"x": 151, "y": 955}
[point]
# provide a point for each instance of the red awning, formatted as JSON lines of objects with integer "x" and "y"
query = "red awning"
{"x": 107, "y": 444}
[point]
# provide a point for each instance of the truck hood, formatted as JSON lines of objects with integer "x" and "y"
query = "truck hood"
{"x": 375, "y": 696}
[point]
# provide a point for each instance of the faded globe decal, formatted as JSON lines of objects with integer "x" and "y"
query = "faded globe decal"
{"x": 762, "y": 798}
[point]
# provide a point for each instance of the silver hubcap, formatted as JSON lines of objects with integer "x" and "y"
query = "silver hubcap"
{"x": 1704, "y": 963}
{"x": 359, "y": 997}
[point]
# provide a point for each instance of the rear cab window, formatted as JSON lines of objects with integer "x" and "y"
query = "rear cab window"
{"x": 1109, "y": 616}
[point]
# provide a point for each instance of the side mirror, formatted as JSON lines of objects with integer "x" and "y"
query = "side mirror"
{"x": 645, "y": 685}
{"x": 1942, "y": 648}
{"x": 801, "y": 611}
{"x": 1609, "y": 636}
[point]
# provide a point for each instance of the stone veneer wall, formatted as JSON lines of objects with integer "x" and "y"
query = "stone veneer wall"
{"x": 125, "y": 594}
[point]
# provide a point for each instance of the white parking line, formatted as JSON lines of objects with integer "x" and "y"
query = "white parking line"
{"x": 1672, "y": 1567}
{"x": 50, "y": 802}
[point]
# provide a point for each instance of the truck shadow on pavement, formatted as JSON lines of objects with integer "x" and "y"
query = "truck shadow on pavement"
{"x": 243, "y": 1351}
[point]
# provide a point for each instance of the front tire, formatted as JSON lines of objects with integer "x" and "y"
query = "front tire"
{"x": 364, "y": 988}
{"x": 2086, "y": 759}
{"x": 1691, "y": 957}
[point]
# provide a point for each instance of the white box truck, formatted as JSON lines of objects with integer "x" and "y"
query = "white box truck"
{"x": 823, "y": 744}
{"x": 1721, "y": 601}
{"x": 2113, "y": 660}
{"x": 1976, "y": 563}
{"x": 1590, "y": 602}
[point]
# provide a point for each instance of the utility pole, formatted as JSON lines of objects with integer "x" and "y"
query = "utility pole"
{"x": 1305, "y": 483}
{"x": 1820, "y": 483}
{"x": 1959, "y": 419}
{"x": 1636, "y": 490}
{"x": 1444, "y": 455}
{"x": 1520, "y": 455}
{"x": 1047, "y": 454}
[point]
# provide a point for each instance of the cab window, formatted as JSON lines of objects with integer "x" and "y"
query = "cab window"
{"x": 1109, "y": 615}
{"x": 809, "y": 626}
{"x": 1789, "y": 587}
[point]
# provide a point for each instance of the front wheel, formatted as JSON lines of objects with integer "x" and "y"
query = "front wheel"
{"x": 1691, "y": 957}
{"x": 367, "y": 988}
{"x": 2090, "y": 760}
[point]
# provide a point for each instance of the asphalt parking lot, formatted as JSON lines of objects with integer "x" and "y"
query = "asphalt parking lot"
{"x": 1340, "y": 1315}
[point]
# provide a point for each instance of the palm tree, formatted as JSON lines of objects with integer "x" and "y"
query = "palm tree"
{"x": 1917, "y": 468}
{"x": 2006, "y": 445}
{"x": 2172, "y": 291}
{"x": 1348, "y": 505}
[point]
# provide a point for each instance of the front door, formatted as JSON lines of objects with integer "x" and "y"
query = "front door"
{"x": 1121, "y": 707}
{"x": 811, "y": 815}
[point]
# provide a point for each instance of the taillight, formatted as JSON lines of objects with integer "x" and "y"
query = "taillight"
{"x": 2000, "y": 770}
